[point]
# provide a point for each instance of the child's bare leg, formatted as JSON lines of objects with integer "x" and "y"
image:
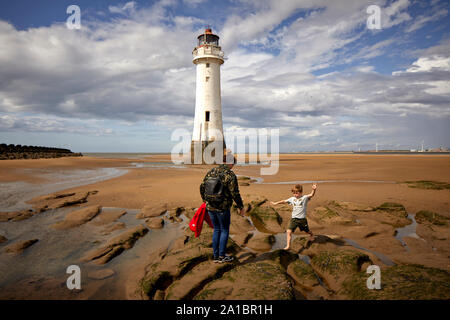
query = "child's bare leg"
{"x": 311, "y": 236}
{"x": 288, "y": 239}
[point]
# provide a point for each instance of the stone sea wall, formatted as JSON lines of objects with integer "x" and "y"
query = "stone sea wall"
{"x": 11, "y": 151}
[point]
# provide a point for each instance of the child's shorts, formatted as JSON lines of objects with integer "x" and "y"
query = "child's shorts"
{"x": 302, "y": 224}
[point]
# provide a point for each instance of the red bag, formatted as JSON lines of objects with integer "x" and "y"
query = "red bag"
{"x": 196, "y": 223}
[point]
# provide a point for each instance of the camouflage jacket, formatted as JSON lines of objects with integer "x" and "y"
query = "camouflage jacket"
{"x": 231, "y": 188}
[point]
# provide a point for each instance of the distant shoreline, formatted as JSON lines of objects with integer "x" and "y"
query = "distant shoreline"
{"x": 13, "y": 152}
{"x": 138, "y": 155}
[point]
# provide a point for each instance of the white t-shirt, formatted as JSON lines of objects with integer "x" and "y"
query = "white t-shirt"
{"x": 299, "y": 206}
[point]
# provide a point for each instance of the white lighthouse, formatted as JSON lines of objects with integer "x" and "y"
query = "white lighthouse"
{"x": 208, "y": 57}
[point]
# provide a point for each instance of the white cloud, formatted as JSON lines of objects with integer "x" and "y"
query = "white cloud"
{"x": 429, "y": 63}
{"x": 138, "y": 68}
{"x": 193, "y": 3}
{"x": 395, "y": 14}
{"x": 49, "y": 123}
{"x": 308, "y": 133}
{"x": 127, "y": 8}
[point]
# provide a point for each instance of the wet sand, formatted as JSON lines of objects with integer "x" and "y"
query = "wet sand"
{"x": 131, "y": 184}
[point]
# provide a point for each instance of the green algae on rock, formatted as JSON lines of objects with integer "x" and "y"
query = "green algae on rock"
{"x": 339, "y": 261}
{"x": 303, "y": 274}
{"x": 401, "y": 282}
{"x": 425, "y": 216}
{"x": 261, "y": 280}
{"x": 427, "y": 184}
{"x": 265, "y": 218}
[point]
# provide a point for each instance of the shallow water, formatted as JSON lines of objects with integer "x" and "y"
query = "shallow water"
{"x": 154, "y": 240}
{"x": 407, "y": 231}
{"x": 58, "y": 249}
{"x": 158, "y": 165}
{"x": 260, "y": 181}
{"x": 13, "y": 195}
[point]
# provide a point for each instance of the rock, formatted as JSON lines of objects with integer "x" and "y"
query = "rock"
{"x": 186, "y": 287}
{"x": 77, "y": 218}
{"x": 339, "y": 261}
{"x": 177, "y": 211}
{"x": 425, "y": 216}
{"x": 389, "y": 213}
{"x": 265, "y": 218}
{"x": 325, "y": 213}
{"x": 241, "y": 239}
{"x": 116, "y": 246}
{"x": 100, "y": 274}
{"x": 261, "y": 280}
{"x": 393, "y": 208}
{"x": 336, "y": 266}
{"x": 3, "y": 239}
{"x": 69, "y": 201}
{"x": 108, "y": 216}
{"x": 4, "y": 216}
{"x": 330, "y": 216}
{"x": 189, "y": 212}
{"x": 303, "y": 274}
{"x": 261, "y": 242}
{"x": 60, "y": 200}
{"x": 239, "y": 224}
{"x": 173, "y": 219}
{"x": 114, "y": 227}
{"x": 19, "y": 247}
{"x": 155, "y": 223}
{"x": 174, "y": 214}
{"x": 159, "y": 295}
{"x": 185, "y": 255}
{"x": 401, "y": 282}
{"x": 57, "y": 195}
{"x": 352, "y": 206}
{"x": 245, "y": 181}
{"x": 299, "y": 243}
{"x": 16, "y": 215}
{"x": 180, "y": 242}
{"x": 426, "y": 184}
{"x": 151, "y": 211}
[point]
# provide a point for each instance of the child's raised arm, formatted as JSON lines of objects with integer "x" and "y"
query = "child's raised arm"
{"x": 278, "y": 202}
{"x": 313, "y": 192}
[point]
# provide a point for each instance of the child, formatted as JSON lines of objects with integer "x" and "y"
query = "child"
{"x": 299, "y": 204}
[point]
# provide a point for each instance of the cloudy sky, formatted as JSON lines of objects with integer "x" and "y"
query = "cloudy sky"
{"x": 125, "y": 81}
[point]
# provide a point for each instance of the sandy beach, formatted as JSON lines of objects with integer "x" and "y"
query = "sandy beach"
{"x": 363, "y": 204}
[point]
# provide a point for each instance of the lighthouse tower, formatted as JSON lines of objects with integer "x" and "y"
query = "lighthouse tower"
{"x": 208, "y": 128}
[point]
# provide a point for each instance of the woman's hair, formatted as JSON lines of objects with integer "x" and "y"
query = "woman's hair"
{"x": 297, "y": 187}
{"x": 229, "y": 158}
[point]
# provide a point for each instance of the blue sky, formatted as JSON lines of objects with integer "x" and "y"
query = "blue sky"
{"x": 312, "y": 69}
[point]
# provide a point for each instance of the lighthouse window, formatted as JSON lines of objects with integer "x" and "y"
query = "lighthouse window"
{"x": 207, "y": 79}
{"x": 207, "y": 116}
{"x": 207, "y": 65}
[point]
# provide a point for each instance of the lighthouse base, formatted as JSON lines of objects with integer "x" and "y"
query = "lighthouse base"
{"x": 207, "y": 152}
